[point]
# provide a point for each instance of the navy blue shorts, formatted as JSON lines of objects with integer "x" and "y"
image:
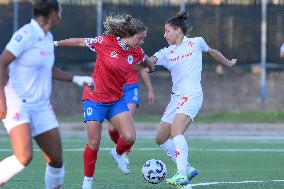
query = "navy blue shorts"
{"x": 95, "y": 111}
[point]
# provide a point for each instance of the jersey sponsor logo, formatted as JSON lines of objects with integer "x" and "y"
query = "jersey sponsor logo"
{"x": 114, "y": 54}
{"x": 46, "y": 53}
{"x": 89, "y": 111}
{"x": 19, "y": 37}
{"x": 189, "y": 54}
{"x": 130, "y": 59}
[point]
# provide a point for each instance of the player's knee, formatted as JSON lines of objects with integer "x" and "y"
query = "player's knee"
{"x": 25, "y": 158}
{"x": 159, "y": 140}
{"x": 93, "y": 144}
{"x": 130, "y": 139}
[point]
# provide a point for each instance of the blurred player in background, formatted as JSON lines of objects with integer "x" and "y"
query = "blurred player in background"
{"x": 118, "y": 54}
{"x": 24, "y": 102}
{"x": 183, "y": 58}
{"x": 132, "y": 99}
{"x": 282, "y": 50}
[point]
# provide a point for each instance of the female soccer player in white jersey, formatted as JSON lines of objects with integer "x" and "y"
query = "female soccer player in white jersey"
{"x": 118, "y": 53}
{"x": 25, "y": 108}
{"x": 183, "y": 58}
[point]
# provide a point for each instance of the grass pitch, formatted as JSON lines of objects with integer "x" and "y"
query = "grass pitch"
{"x": 223, "y": 164}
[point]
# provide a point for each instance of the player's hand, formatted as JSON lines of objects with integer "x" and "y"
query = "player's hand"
{"x": 3, "y": 110}
{"x": 83, "y": 80}
{"x": 151, "y": 97}
{"x": 233, "y": 62}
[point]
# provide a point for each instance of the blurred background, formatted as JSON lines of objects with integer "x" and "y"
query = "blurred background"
{"x": 250, "y": 30}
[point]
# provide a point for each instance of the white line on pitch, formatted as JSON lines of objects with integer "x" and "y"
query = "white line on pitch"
{"x": 239, "y": 182}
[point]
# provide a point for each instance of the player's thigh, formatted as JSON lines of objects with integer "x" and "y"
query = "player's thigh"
{"x": 94, "y": 131}
{"x": 163, "y": 133}
{"x": 132, "y": 107}
{"x": 21, "y": 142}
{"x": 51, "y": 146}
{"x": 125, "y": 125}
{"x": 180, "y": 124}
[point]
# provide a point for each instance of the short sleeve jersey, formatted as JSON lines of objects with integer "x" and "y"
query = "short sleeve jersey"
{"x": 30, "y": 74}
{"x": 112, "y": 68}
{"x": 184, "y": 62}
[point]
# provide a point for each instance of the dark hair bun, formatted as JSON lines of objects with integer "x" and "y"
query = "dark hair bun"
{"x": 182, "y": 15}
{"x": 127, "y": 18}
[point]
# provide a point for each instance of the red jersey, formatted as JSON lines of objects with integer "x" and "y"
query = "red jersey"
{"x": 133, "y": 77}
{"x": 113, "y": 65}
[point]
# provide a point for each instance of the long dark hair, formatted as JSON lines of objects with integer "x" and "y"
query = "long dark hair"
{"x": 44, "y": 7}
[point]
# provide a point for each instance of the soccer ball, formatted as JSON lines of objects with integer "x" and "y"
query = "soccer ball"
{"x": 154, "y": 171}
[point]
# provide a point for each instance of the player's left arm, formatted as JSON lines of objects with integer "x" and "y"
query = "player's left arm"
{"x": 219, "y": 57}
{"x": 71, "y": 42}
{"x": 146, "y": 78}
{"x": 61, "y": 75}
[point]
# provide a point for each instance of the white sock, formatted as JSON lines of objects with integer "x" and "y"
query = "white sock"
{"x": 88, "y": 182}
{"x": 170, "y": 149}
{"x": 181, "y": 154}
{"x": 9, "y": 167}
{"x": 54, "y": 177}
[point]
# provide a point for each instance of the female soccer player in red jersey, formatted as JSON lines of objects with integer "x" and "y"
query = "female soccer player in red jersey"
{"x": 118, "y": 53}
{"x": 132, "y": 99}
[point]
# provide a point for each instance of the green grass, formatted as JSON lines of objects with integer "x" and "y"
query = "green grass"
{"x": 218, "y": 160}
{"x": 239, "y": 117}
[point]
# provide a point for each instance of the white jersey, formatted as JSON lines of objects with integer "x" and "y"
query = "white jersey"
{"x": 30, "y": 74}
{"x": 184, "y": 61}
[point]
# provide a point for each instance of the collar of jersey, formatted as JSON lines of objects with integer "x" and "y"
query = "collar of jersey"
{"x": 121, "y": 44}
{"x": 37, "y": 27}
{"x": 185, "y": 39}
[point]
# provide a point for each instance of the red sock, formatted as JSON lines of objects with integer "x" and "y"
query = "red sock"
{"x": 90, "y": 158}
{"x": 114, "y": 135}
{"x": 122, "y": 146}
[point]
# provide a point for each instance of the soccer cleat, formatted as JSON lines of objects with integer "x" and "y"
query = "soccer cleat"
{"x": 121, "y": 163}
{"x": 125, "y": 157}
{"x": 88, "y": 183}
{"x": 192, "y": 172}
{"x": 178, "y": 180}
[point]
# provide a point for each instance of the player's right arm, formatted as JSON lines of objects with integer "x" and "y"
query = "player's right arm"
{"x": 71, "y": 42}
{"x": 6, "y": 58}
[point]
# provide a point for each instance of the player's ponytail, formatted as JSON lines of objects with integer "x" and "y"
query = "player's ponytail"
{"x": 44, "y": 7}
{"x": 179, "y": 21}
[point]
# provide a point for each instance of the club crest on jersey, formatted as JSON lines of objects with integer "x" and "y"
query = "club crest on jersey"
{"x": 19, "y": 38}
{"x": 114, "y": 54}
{"x": 130, "y": 59}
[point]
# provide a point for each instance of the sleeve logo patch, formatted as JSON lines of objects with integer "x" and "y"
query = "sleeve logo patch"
{"x": 19, "y": 38}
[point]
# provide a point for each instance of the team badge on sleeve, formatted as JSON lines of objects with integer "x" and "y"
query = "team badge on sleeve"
{"x": 130, "y": 59}
{"x": 19, "y": 37}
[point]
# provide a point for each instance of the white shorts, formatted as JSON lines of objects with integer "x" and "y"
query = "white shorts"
{"x": 40, "y": 117}
{"x": 188, "y": 104}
